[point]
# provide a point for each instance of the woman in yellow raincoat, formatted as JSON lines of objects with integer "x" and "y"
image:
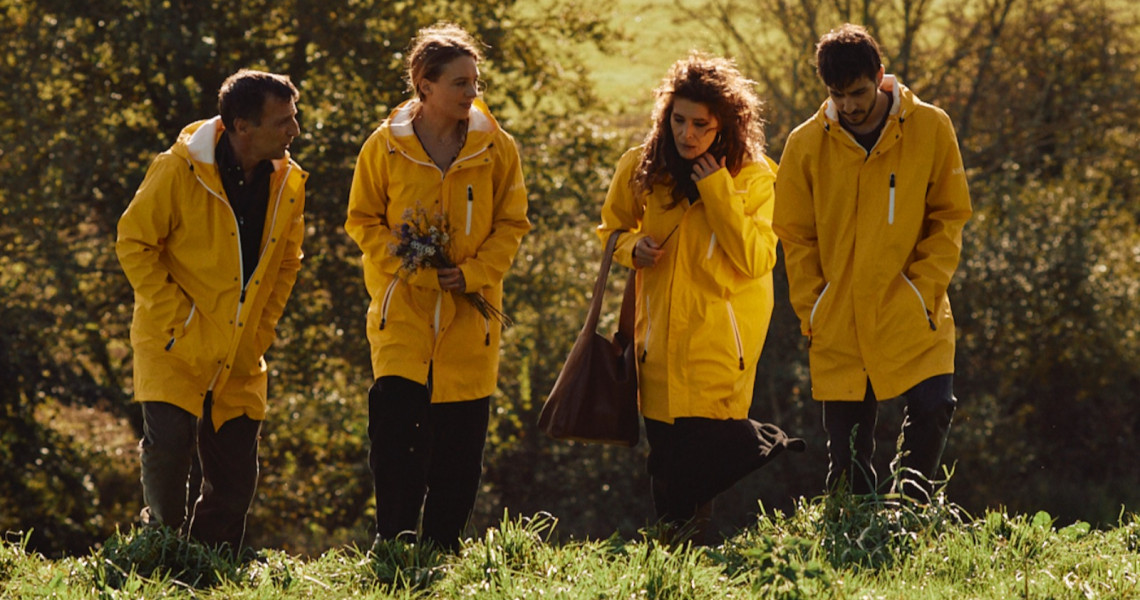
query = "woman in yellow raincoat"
{"x": 439, "y": 157}
{"x": 695, "y": 202}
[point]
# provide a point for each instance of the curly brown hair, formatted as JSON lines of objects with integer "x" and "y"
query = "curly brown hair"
{"x": 716, "y": 83}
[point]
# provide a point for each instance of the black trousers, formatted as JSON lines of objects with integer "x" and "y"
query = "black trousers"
{"x": 694, "y": 459}
{"x": 424, "y": 458}
{"x": 850, "y": 430}
{"x": 227, "y": 457}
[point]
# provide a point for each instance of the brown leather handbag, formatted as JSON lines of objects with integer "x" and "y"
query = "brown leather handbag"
{"x": 594, "y": 398}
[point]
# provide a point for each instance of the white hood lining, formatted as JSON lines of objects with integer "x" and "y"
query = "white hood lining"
{"x": 402, "y": 121}
{"x": 202, "y": 142}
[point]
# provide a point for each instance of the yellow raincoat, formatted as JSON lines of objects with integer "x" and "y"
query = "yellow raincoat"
{"x": 413, "y": 324}
{"x": 195, "y": 328}
{"x": 703, "y": 310}
{"x": 871, "y": 242}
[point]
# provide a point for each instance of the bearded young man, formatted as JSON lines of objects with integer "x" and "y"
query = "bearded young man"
{"x": 871, "y": 199}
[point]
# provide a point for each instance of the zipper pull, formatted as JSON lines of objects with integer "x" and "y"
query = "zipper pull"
{"x": 242, "y": 299}
{"x": 487, "y": 339}
{"x": 891, "y": 207}
{"x": 383, "y": 320}
{"x": 741, "y": 363}
{"x": 170, "y": 344}
{"x": 470, "y": 204}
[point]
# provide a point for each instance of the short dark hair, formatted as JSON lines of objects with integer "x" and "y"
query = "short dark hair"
{"x": 242, "y": 94}
{"x": 433, "y": 48}
{"x": 846, "y": 54}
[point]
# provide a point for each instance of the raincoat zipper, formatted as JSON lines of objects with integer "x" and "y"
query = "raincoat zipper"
{"x": 921, "y": 302}
{"x": 438, "y": 306}
{"x": 736, "y": 333}
{"x": 470, "y": 206}
{"x": 241, "y": 260}
{"x": 815, "y": 307}
{"x": 387, "y": 302}
{"x": 185, "y": 324}
{"x": 891, "y": 205}
{"x": 648, "y": 329}
{"x": 712, "y": 246}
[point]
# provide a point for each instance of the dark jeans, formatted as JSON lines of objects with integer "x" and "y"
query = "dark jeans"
{"x": 850, "y": 430}
{"x": 425, "y": 457}
{"x": 694, "y": 459}
{"x": 228, "y": 460}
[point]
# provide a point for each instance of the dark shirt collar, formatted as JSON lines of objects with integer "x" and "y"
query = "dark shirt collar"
{"x": 230, "y": 167}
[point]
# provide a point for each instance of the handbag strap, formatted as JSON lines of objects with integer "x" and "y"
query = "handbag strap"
{"x": 625, "y": 321}
{"x": 628, "y": 306}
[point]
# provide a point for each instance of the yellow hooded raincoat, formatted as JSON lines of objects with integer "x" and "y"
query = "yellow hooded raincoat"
{"x": 412, "y": 324}
{"x": 195, "y": 328}
{"x": 703, "y": 310}
{"x": 871, "y": 241}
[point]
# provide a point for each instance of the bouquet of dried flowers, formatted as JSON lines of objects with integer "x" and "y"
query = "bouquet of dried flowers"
{"x": 421, "y": 242}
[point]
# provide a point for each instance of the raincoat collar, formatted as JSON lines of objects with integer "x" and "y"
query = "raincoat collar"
{"x": 198, "y": 141}
{"x": 481, "y": 127}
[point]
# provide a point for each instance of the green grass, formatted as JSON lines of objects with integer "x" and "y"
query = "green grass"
{"x": 841, "y": 547}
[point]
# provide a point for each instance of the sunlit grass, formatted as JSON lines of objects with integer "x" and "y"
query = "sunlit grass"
{"x": 838, "y": 547}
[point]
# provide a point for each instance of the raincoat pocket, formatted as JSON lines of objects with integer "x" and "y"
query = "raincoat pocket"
{"x": 736, "y": 334}
{"x": 179, "y": 331}
{"x": 815, "y": 309}
{"x": 921, "y": 302}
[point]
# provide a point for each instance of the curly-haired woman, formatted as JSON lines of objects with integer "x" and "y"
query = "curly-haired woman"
{"x": 695, "y": 205}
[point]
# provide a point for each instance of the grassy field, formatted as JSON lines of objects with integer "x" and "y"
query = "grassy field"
{"x": 844, "y": 547}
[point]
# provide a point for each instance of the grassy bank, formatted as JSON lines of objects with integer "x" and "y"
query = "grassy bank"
{"x": 838, "y": 548}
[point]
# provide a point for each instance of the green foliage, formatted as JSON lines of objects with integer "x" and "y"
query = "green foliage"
{"x": 160, "y": 553}
{"x": 1046, "y": 298}
{"x": 997, "y": 556}
{"x": 403, "y": 566}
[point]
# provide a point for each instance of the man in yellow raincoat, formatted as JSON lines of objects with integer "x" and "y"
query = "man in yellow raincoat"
{"x": 211, "y": 244}
{"x": 871, "y": 199}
